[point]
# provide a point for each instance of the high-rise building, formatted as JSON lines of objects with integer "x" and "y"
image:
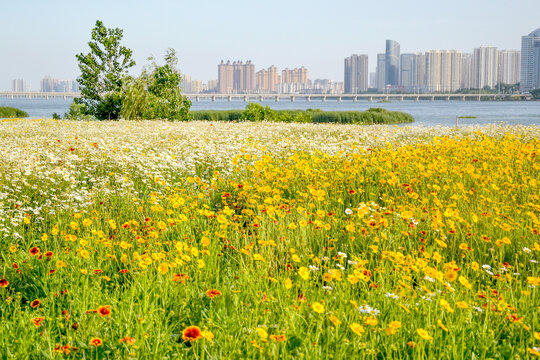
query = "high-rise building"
{"x": 356, "y": 74}
{"x": 486, "y": 66}
{"x": 381, "y": 69}
{"x": 225, "y": 77}
{"x": 48, "y": 84}
{"x": 421, "y": 80}
{"x": 467, "y": 71}
{"x": 408, "y": 72}
{"x": 373, "y": 80}
{"x": 530, "y": 61}
{"x": 273, "y": 78}
{"x": 18, "y": 85}
{"x": 443, "y": 70}
{"x": 392, "y": 63}
{"x": 509, "y": 67}
{"x": 236, "y": 77}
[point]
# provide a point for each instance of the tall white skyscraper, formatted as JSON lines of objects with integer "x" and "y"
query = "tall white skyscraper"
{"x": 509, "y": 66}
{"x": 486, "y": 66}
{"x": 530, "y": 61}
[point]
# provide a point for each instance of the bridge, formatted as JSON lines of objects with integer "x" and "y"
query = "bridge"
{"x": 291, "y": 97}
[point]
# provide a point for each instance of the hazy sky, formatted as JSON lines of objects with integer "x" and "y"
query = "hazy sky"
{"x": 38, "y": 38}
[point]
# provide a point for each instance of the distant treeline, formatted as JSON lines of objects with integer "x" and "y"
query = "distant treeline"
{"x": 256, "y": 112}
{"x": 9, "y": 112}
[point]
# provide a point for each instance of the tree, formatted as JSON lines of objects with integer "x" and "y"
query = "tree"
{"x": 535, "y": 93}
{"x": 156, "y": 93}
{"x": 103, "y": 71}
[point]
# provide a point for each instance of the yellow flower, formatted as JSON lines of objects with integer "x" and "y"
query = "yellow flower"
{"x": 357, "y": 328}
{"x": 371, "y": 321}
{"x": 441, "y": 325}
{"x": 258, "y": 257}
{"x": 395, "y": 324}
{"x": 207, "y": 335}
{"x": 462, "y": 304}
{"x": 288, "y": 283}
{"x": 60, "y": 264}
{"x": 465, "y": 282}
{"x": 163, "y": 268}
{"x": 205, "y": 241}
{"x": 44, "y": 237}
{"x": 84, "y": 254}
{"x": 318, "y": 307}
{"x": 303, "y": 272}
{"x": 87, "y": 222}
{"x": 534, "y": 281}
{"x": 537, "y": 335}
{"x": 161, "y": 225}
{"x": 423, "y": 334}
{"x": 334, "y": 320}
{"x": 262, "y": 333}
{"x": 446, "y": 305}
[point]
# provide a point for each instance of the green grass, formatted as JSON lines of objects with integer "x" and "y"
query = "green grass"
{"x": 10, "y": 112}
{"x": 255, "y": 112}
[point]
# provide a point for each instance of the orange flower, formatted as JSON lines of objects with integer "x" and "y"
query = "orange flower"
{"x": 96, "y": 342}
{"x": 213, "y": 293}
{"x": 37, "y": 321}
{"x": 34, "y": 251}
{"x": 191, "y": 333}
{"x": 128, "y": 340}
{"x": 104, "y": 311}
{"x": 3, "y": 283}
{"x": 180, "y": 278}
{"x": 278, "y": 338}
{"x": 35, "y": 303}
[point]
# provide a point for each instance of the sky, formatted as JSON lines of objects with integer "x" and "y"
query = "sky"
{"x": 40, "y": 38}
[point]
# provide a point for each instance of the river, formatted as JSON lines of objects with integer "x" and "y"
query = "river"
{"x": 425, "y": 113}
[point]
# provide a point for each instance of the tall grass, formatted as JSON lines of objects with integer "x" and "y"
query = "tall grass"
{"x": 10, "y": 112}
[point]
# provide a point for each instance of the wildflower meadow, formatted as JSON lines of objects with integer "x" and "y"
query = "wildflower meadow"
{"x": 204, "y": 240}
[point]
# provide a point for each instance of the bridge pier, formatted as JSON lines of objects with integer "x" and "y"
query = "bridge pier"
{"x": 448, "y": 98}
{"x": 196, "y": 98}
{"x": 402, "y": 98}
{"x": 229, "y": 98}
{"x": 432, "y": 98}
{"x": 479, "y": 96}
{"x": 277, "y": 98}
{"x": 463, "y": 98}
{"x": 370, "y": 99}
{"x": 308, "y": 99}
{"x": 355, "y": 99}
{"x": 386, "y": 98}
{"x": 324, "y": 99}
{"x": 261, "y": 98}
{"x": 417, "y": 98}
{"x": 245, "y": 98}
{"x": 213, "y": 97}
{"x": 339, "y": 99}
{"x": 292, "y": 98}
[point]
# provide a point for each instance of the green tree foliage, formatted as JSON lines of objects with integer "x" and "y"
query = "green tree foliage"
{"x": 535, "y": 93}
{"x": 156, "y": 93}
{"x": 103, "y": 71}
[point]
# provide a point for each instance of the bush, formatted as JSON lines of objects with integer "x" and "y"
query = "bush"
{"x": 10, "y": 112}
{"x": 256, "y": 112}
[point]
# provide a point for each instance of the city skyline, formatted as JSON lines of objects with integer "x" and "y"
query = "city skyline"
{"x": 44, "y": 37}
